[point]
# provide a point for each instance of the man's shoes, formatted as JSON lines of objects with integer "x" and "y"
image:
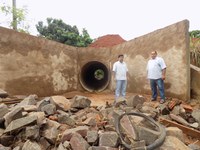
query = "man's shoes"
{"x": 162, "y": 101}
{"x": 153, "y": 99}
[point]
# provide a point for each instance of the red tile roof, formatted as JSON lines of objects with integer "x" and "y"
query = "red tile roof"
{"x": 107, "y": 41}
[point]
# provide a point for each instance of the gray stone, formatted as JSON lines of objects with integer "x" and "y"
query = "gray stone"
{"x": 51, "y": 123}
{"x": 6, "y": 140}
{"x": 3, "y": 94}
{"x": 49, "y": 109}
{"x": 1, "y": 131}
{"x": 66, "y": 144}
{"x": 80, "y": 102}
{"x": 90, "y": 121}
{"x": 17, "y": 148}
{"x": 30, "y": 108}
{"x": 173, "y": 143}
{"x": 67, "y": 134}
{"x": 30, "y": 100}
{"x": 42, "y": 103}
{"x": 176, "y": 132}
{"x": 3, "y": 110}
{"x": 61, "y": 147}
{"x": 133, "y": 101}
{"x": 92, "y": 136}
{"x": 32, "y": 132}
{"x": 128, "y": 127}
{"x": 109, "y": 139}
{"x": 16, "y": 113}
{"x": 77, "y": 142}
{"x": 196, "y": 115}
{"x": 20, "y": 123}
{"x": 148, "y": 135}
{"x": 44, "y": 144}
{"x": 65, "y": 119}
{"x": 194, "y": 146}
{"x": 61, "y": 102}
{"x": 51, "y": 134}
{"x": 28, "y": 145}
{"x": 40, "y": 117}
{"x": 102, "y": 148}
{"x": 4, "y": 148}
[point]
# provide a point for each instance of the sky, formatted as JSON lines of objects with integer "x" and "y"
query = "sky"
{"x": 128, "y": 18}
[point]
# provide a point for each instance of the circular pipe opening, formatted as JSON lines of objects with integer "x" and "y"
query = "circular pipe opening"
{"x": 94, "y": 76}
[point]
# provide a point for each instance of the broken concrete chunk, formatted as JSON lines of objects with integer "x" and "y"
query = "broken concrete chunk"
{"x": 29, "y": 145}
{"x": 128, "y": 127}
{"x": 173, "y": 143}
{"x": 44, "y": 144}
{"x": 78, "y": 142}
{"x": 67, "y": 134}
{"x": 3, "y": 110}
{"x": 65, "y": 119}
{"x": 176, "y": 132}
{"x": 40, "y": 117}
{"x": 148, "y": 135}
{"x": 80, "y": 102}
{"x": 102, "y": 148}
{"x": 6, "y": 140}
{"x": 42, "y": 103}
{"x": 196, "y": 115}
{"x": 61, "y": 147}
{"x": 32, "y": 132}
{"x": 51, "y": 134}
{"x": 17, "y": 148}
{"x": 30, "y": 100}
{"x": 49, "y": 109}
{"x": 16, "y": 113}
{"x": 61, "y": 102}
{"x": 133, "y": 101}
{"x": 20, "y": 123}
{"x": 109, "y": 139}
{"x": 92, "y": 136}
{"x": 66, "y": 144}
{"x": 4, "y": 148}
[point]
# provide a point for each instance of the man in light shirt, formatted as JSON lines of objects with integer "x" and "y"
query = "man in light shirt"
{"x": 120, "y": 73}
{"x": 156, "y": 70}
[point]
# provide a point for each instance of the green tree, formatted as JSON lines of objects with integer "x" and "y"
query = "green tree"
{"x": 17, "y": 19}
{"x": 195, "y": 34}
{"x": 61, "y": 32}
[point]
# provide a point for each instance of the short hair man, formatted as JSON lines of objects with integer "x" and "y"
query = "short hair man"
{"x": 156, "y": 70}
{"x": 120, "y": 72}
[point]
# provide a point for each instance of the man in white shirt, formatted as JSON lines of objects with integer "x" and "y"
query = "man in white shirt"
{"x": 120, "y": 72}
{"x": 156, "y": 70}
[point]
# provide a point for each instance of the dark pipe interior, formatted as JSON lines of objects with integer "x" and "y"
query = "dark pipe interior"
{"x": 88, "y": 79}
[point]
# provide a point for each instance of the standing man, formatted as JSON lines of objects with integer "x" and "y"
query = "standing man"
{"x": 120, "y": 73}
{"x": 156, "y": 70}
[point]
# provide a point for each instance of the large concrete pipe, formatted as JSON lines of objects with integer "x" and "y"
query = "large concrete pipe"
{"x": 94, "y": 76}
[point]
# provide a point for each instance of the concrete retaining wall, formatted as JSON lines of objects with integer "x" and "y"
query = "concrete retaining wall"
{"x": 195, "y": 82}
{"x": 30, "y": 64}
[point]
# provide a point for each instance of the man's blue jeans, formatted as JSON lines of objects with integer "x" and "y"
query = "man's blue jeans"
{"x": 160, "y": 84}
{"x": 120, "y": 88}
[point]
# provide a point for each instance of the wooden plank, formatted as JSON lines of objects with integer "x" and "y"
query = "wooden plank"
{"x": 187, "y": 130}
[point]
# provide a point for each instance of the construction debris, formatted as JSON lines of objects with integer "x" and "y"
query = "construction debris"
{"x": 58, "y": 123}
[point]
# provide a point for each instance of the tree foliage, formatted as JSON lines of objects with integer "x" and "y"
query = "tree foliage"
{"x": 59, "y": 31}
{"x": 195, "y": 34}
{"x": 20, "y": 14}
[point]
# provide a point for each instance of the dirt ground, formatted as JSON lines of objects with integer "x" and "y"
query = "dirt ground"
{"x": 100, "y": 98}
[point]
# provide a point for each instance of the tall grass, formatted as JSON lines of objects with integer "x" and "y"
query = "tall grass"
{"x": 195, "y": 51}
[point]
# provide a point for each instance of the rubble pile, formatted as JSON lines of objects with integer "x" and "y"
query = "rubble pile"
{"x": 58, "y": 123}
